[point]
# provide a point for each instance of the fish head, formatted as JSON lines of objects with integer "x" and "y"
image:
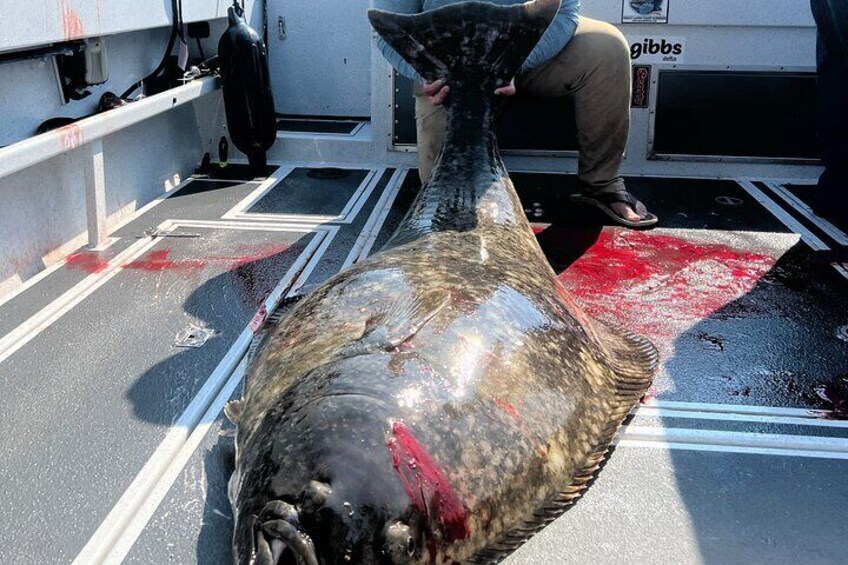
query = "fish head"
{"x": 319, "y": 493}
{"x": 352, "y": 482}
{"x": 323, "y": 528}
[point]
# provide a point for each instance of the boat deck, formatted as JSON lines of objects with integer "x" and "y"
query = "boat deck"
{"x": 117, "y": 364}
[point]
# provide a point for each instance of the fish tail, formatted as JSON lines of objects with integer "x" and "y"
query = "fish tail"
{"x": 472, "y": 42}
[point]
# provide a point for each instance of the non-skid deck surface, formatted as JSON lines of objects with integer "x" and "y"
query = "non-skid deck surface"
{"x": 682, "y": 507}
{"x": 314, "y": 192}
{"x": 236, "y": 171}
{"x": 743, "y": 313}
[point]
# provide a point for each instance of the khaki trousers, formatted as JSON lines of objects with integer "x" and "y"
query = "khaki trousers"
{"x": 594, "y": 69}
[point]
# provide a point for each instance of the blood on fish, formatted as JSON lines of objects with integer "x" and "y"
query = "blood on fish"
{"x": 88, "y": 262}
{"x": 426, "y": 485}
{"x": 258, "y": 321}
{"x": 508, "y": 408}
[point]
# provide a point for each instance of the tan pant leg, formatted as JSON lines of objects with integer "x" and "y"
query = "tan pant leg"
{"x": 431, "y": 123}
{"x": 594, "y": 68}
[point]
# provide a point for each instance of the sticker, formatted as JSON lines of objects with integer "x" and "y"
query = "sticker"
{"x": 644, "y": 11}
{"x": 658, "y": 50}
{"x": 641, "y": 86}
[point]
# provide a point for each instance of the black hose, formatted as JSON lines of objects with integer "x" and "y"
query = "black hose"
{"x": 200, "y": 49}
{"x": 175, "y": 30}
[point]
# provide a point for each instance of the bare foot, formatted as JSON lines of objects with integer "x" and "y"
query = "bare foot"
{"x": 627, "y": 212}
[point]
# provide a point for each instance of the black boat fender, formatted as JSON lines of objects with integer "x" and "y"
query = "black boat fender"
{"x": 248, "y": 100}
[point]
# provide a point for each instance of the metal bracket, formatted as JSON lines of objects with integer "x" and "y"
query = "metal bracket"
{"x": 281, "y": 28}
{"x": 154, "y": 233}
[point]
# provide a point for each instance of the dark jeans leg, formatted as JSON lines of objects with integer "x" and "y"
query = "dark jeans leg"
{"x": 832, "y": 21}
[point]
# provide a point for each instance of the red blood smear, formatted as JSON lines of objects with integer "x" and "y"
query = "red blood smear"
{"x": 88, "y": 262}
{"x": 70, "y": 136}
{"x": 71, "y": 22}
{"x": 258, "y": 321}
{"x": 253, "y": 254}
{"x": 508, "y": 408}
{"x": 158, "y": 261}
{"x": 660, "y": 285}
{"x": 427, "y": 487}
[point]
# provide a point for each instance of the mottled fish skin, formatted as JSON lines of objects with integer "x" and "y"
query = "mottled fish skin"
{"x": 445, "y": 398}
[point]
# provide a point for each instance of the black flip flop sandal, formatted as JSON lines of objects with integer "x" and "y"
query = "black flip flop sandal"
{"x": 604, "y": 200}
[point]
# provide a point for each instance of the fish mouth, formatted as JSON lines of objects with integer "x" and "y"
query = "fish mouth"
{"x": 278, "y": 539}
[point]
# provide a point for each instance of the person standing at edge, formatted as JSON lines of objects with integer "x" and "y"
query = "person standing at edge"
{"x": 832, "y": 56}
{"x": 579, "y": 57}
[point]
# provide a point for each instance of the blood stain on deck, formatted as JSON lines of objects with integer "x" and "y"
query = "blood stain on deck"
{"x": 661, "y": 285}
{"x": 88, "y": 262}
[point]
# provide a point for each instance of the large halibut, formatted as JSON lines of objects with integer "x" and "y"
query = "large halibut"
{"x": 444, "y": 399}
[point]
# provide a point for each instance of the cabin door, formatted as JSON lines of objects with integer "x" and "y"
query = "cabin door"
{"x": 319, "y": 52}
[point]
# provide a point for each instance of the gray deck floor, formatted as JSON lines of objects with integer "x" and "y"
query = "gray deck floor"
{"x": 727, "y": 465}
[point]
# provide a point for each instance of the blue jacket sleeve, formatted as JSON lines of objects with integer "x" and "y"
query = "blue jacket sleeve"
{"x": 400, "y": 7}
{"x": 558, "y": 35}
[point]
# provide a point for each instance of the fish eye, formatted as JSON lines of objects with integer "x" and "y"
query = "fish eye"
{"x": 400, "y": 542}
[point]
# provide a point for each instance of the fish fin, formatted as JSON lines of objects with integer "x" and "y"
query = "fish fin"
{"x": 553, "y": 509}
{"x": 233, "y": 409}
{"x": 394, "y": 325}
{"x": 634, "y": 361}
